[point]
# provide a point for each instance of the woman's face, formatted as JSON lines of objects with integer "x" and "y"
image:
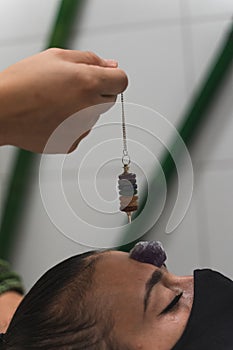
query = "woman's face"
{"x": 150, "y": 306}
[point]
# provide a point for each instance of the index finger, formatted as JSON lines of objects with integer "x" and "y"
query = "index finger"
{"x": 88, "y": 57}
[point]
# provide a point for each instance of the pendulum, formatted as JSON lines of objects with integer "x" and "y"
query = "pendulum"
{"x": 128, "y": 192}
{"x": 127, "y": 181}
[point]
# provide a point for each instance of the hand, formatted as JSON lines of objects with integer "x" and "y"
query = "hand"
{"x": 9, "y": 301}
{"x": 40, "y": 92}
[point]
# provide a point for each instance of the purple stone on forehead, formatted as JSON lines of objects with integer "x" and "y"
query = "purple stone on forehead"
{"x": 149, "y": 252}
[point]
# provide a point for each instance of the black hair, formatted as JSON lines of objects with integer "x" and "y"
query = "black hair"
{"x": 60, "y": 311}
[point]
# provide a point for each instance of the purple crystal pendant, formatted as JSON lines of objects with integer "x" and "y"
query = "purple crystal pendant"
{"x": 151, "y": 252}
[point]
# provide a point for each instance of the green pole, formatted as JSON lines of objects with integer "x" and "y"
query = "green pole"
{"x": 195, "y": 114}
{"x": 25, "y": 161}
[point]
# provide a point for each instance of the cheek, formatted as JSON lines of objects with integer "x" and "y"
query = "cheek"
{"x": 172, "y": 326}
{"x": 163, "y": 332}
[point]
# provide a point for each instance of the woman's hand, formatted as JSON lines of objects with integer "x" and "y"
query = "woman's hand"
{"x": 40, "y": 92}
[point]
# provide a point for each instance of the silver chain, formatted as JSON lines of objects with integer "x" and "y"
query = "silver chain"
{"x": 125, "y": 157}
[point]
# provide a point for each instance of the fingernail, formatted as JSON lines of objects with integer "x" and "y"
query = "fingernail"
{"x": 111, "y": 63}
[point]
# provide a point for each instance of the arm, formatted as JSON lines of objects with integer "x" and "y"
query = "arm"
{"x": 9, "y": 301}
{"x": 11, "y": 294}
{"x": 40, "y": 92}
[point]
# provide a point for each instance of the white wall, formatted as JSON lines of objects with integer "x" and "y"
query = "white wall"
{"x": 165, "y": 47}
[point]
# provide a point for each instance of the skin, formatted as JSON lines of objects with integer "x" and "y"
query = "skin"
{"x": 124, "y": 281}
{"x": 121, "y": 282}
{"x": 9, "y": 302}
{"x": 38, "y": 93}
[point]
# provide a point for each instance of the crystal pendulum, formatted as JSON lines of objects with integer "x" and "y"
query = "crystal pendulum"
{"x": 127, "y": 181}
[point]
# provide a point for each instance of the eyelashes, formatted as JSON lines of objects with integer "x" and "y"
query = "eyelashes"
{"x": 172, "y": 305}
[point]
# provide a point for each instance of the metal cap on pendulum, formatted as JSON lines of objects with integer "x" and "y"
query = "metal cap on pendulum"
{"x": 127, "y": 183}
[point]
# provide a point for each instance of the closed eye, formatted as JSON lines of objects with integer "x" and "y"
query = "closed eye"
{"x": 172, "y": 304}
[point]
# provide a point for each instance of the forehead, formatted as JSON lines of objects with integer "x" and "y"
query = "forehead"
{"x": 119, "y": 286}
{"x": 115, "y": 267}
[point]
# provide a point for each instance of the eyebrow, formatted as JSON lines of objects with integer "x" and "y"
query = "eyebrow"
{"x": 152, "y": 281}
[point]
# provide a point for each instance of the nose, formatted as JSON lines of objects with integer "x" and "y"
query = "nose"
{"x": 177, "y": 283}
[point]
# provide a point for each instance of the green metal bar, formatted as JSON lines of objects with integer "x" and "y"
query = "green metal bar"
{"x": 195, "y": 115}
{"x": 70, "y": 10}
{"x": 25, "y": 161}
